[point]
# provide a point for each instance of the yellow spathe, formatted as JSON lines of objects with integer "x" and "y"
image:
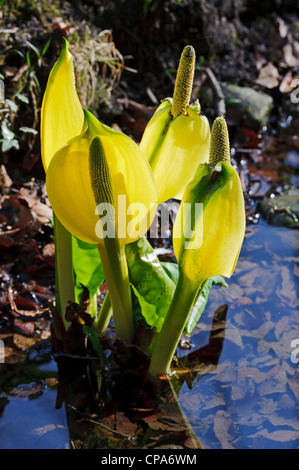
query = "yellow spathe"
{"x": 70, "y": 190}
{"x": 61, "y": 113}
{"x": 175, "y": 147}
{"x": 221, "y": 222}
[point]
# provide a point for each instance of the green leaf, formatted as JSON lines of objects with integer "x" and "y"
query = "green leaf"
{"x": 172, "y": 270}
{"x": 149, "y": 311}
{"x": 35, "y": 50}
{"x": 233, "y": 101}
{"x": 150, "y": 282}
{"x": 95, "y": 341}
{"x": 87, "y": 267}
{"x": 201, "y": 302}
{"x": 46, "y": 46}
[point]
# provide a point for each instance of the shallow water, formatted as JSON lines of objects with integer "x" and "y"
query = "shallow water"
{"x": 249, "y": 400}
{"x": 29, "y": 419}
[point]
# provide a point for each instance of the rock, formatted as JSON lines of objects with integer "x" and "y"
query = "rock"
{"x": 226, "y": 38}
{"x": 281, "y": 210}
{"x": 246, "y": 107}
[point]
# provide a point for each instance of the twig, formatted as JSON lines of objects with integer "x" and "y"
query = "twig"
{"x": 219, "y": 100}
{"x": 93, "y": 421}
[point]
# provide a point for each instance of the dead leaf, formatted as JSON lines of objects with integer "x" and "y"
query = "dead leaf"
{"x": 257, "y": 375}
{"x": 5, "y": 180}
{"x": 217, "y": 400}
{"x": 291, "y": 53}
{"x": 222, "y": 422}
{"x": 287, "y": 291}
{"x": 24, "y": 391}
{"x": 49, "y": 250}
{"x": 286, "y": 84}
{"x": 282, "y": 325}
{"x": 293, "y": 384}
{"x": 22, "y": 342}
{"x": 277, "y": 420}
{"x": 27, "y": 328}
{"x": 124, "y": 425}
{"x": 234, "y": 335}
{"x": 42, "y": 212}
{"x": 268, "y": 76}
{"x": 10, "y": 71}
{"x": 282, "y": 27}
{"x": 260, "y": 61}
{"x": 279, "y": 436}
{"x": 267, "y": 175}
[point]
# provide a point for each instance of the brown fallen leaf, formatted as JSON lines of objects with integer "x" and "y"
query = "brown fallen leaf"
{"x": 277, "y": 420}
{"x": 279, "y": 436}
{"x": 10, "y": 71}
{"x": 293, "y": 384}
{"x": 124, "y": 425}
{"x": 5, "y": 180}
{"x": 40, "y": 211}
{"x": 260, "y": 61}
{"x": 287, "y": 291}
{"x": 23, "y": 342}
{"x": 24, "y": 391}
{"x": 257, "y": 375}
{"x": 268, "y": 76}
{"x": 282, "y": 325}
{"x": 282, "y": 27}
{"x": 296, "y": 270}
{"x": 286, "y": 84}
{"x": 291, "y": 53}
{"x": 222, "y": 423}
{"x": 27, "y": 328}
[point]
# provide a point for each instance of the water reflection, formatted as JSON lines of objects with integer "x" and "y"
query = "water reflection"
{"x": 29, "y": 419}
{"x": 237, "y": 386}
{"x": 251, "y": 399}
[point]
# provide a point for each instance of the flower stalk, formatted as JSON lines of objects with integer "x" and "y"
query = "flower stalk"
{"x": 64, "y": 274}
{"x": 166, "y": 342}
{"x": 115, "y": 267}
{"x": 112, "y": 253}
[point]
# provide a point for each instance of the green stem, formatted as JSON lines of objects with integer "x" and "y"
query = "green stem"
{"x": 115, "y": 268}
{"x": 101, "y": 322}
{"x": 64, "y": 275}
{"x": 173, "y": 326}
